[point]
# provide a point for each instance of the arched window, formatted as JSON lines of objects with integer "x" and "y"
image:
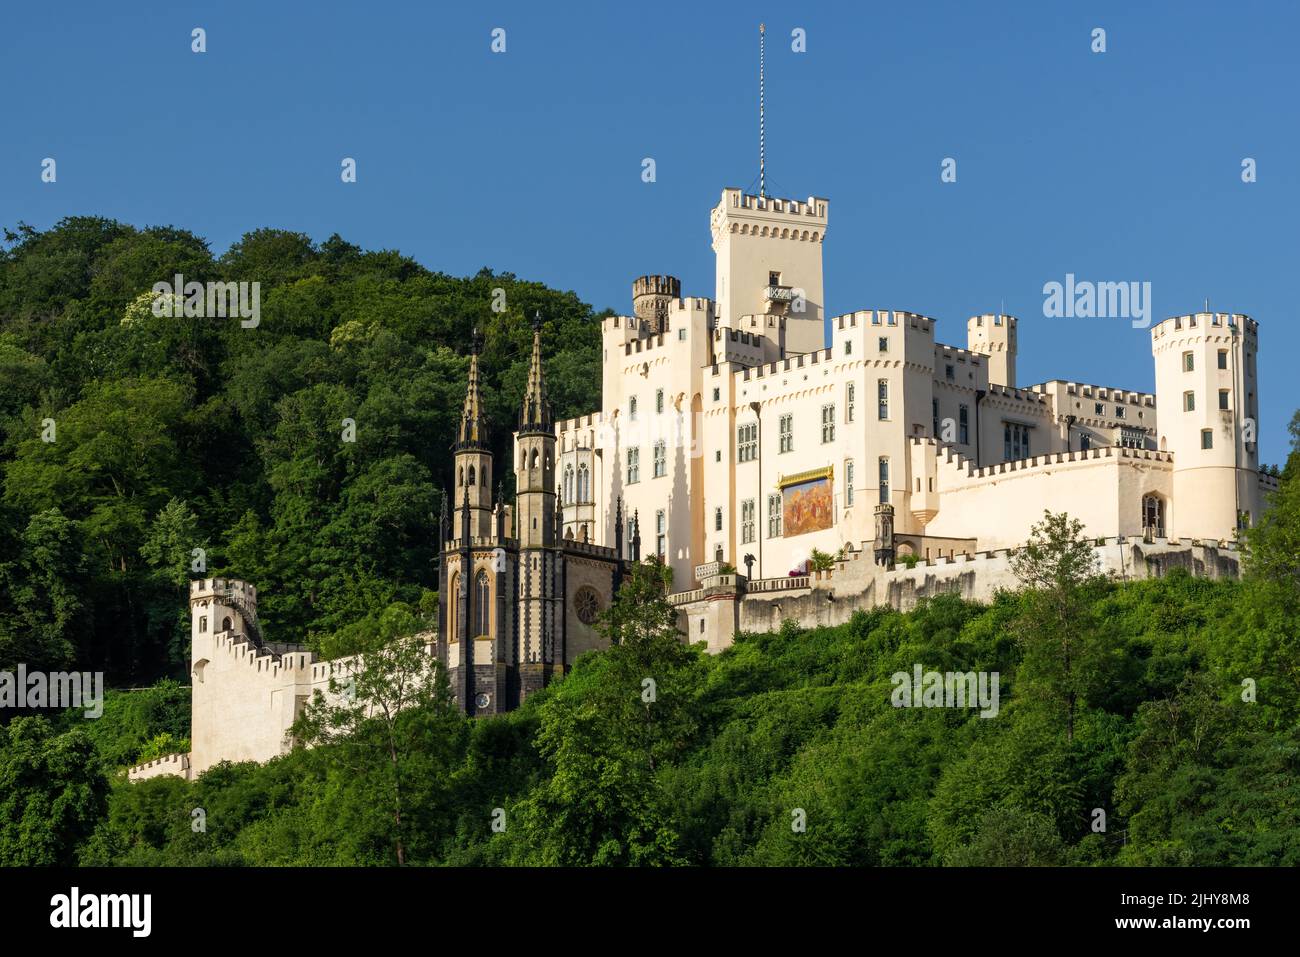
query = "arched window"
{"x": 453, "y": 610}
{"x": 225, "y": 623}
{"x": 471, "y": 475}
{"x": 534, "y": 458}
{"x": 482, "y": 603}
{"x": 203, "y": 624}
{"x": 584, "y": 483}
{"x": 568, "y": 484}
{"x": 460, "y": 476}
{"x": 1153, "y": 515}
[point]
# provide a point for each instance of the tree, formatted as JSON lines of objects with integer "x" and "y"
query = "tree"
{"x": 1057, "y": 630}
{"x": 388, "y": 718}
{"x": 607, "y": 729}
{"x": 52, "y": 793}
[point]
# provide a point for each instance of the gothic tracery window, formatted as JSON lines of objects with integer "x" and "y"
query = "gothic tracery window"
{"x": 482, "y": 603}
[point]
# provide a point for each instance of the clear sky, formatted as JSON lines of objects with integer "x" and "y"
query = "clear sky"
{"x": 1115, "y": 166}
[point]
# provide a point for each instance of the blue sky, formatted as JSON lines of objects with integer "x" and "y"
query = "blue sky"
{"x": 1117, "y": 166}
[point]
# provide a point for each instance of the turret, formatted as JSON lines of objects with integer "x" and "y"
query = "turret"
{"x": 535, "y": 456}
{"x": 473, "y": 465}
{"x": 1207, "y": 416}
{"x": 651, "y": 298}
{"x": 994, "y": 335}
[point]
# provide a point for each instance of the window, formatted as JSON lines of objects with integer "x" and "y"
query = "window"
{"x": 1189, "y": 362}
{"x": 1207, "y": 439}
{"x": 1189, "y": 401}
{"x": 631, "y": 532}
{"x": 584, "y": 483}
{"x": 883, "y": 344}
{"x": 203, "y": 624}
{"x": 717, "y": 519}
{"x": 785, "y": 426}
{"x": 717, "y": 393}
{"x": 681, "y": 334}
{"x": 1015, "y": 441}
{"x": 884, "y": 480}
{"x": 482, "y": 603}
{"x": 471, "y": 469}
{"x": 1223, "y": 398}
{"x": 1098, "y": 409}
{"x": 633, "y": 466}
{"x": 661, "y": 533}
{"x": 568, "y": 484}
{"x": 717, "y": 455}
{"x": 828, "y": 423}
{"x": 963, "y": 425}
{"x": 774, "y": 515}
{"x": 850, "y": 401}
{"x": 948, "y": 373}
{"x": 1085, "y": 442}
{"x": 1119, "y": 411}
{"x": 659, "y": 401}
{"x": 1153, "y": 515}
{"x": 848, "y": 482}
{"x": 882, "y": 394}
{"x": 773, "y": 278}
{"x": 747, "y": 521}
{"x": 747, "y": 442}
{"x": 934, "y": 411}
{"x": 848, "y": 347}
{"x": 660, "y": 459}
{"x": 631, "y": 408}
{"x": 1223, "y": 358}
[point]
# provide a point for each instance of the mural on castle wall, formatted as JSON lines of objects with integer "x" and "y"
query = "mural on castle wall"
{"x": 806, "y": 507}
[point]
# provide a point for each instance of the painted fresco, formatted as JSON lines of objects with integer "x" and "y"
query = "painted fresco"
{"x": 806, "y": 507}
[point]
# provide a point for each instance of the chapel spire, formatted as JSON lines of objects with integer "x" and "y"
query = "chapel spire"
{"x": 535, "y": 415}
{"x": 473, "y": 431}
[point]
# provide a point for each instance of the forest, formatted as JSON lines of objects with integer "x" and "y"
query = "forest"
{"x": 1140, "y": 723}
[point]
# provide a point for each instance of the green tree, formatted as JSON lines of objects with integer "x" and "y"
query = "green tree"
{"x": 1056, "y": 627}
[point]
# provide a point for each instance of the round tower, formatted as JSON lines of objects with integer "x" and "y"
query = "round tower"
{"x": 994, "y": 335}
{"x": 651, "y": 297}
{"x": 1207, "y": 410}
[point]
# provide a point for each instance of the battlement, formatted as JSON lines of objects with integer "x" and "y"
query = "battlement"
{"x": 168, "y": 764}
{"x": 958, "y": 462}
{"x": 813, "y": 209}
{"x": 1098, "y": 392}
{"x": 1205, "y": 322}
{"x": 784, "y": 365}
{"x": 669, "y": 286}
{"x": 991, "y": 320}
{"x": 883, "y": 317}
{"x": 218, "y": 587}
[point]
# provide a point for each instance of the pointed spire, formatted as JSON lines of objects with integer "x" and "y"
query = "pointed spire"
{"x": 535, "y": 416}
{"x": 473, "y": 420}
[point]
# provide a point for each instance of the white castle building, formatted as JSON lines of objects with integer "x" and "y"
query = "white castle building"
{"x": 738, "y": 440}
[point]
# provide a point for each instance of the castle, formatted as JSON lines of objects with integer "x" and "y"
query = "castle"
{"x": 779, "y": 477}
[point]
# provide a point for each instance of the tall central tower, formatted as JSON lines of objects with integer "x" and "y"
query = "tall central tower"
{"x": 541, "y": 585}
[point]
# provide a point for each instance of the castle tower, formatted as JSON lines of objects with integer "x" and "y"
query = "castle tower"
{"x": 541, "y": 612}
{"x": 769, "y": 262}
{"x": 473, "y": 466}
{"x": 994, "y": 335}
{"x": 222, "y": 610}
{"x": 651, "y": 298}
{"x": 1207, "y": 414}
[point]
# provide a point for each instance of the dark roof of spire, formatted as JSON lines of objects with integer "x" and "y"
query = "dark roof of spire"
{"x": 535, "y": 415}
{"x": 473, "y": 431}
